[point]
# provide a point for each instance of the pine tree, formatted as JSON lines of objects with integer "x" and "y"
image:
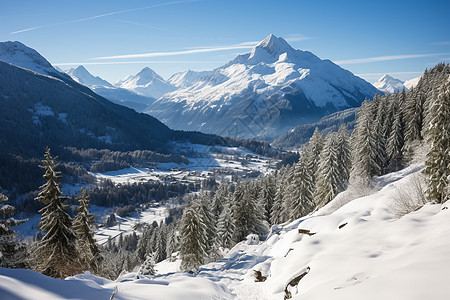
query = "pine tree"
{"x": 148, "y": 267}
{"x": 143, "y": 243}
{"x": 194, "y": 237}
{"x": 330, "y": 181}
{"x": 89, "y": 252}
{"x": 382, "y": 125}
{"x": 312, "y": 152}
{"x": 160, "y": 243}
{"x": 395, "y": 140}
{"x": 220, "y": 197}
{"x": 344, "y": 153}
{"x": 364, "y": 147}
{"x": 300, "y": 191}
{"x": 277, "y": 216}
{"x": 267, "y": 195}
{"x": 56, "y": 253}
{"x": 414, "y": 114}
{"x": 247, "y": 212}
{"x": 437, "y": 166}
{"x": 225, "y": 228}
{"x": 173, "y": 242}
{"x": 12, "y": 250}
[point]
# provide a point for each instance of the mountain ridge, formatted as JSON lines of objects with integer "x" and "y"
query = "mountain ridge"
{"x": 263, "y": 93}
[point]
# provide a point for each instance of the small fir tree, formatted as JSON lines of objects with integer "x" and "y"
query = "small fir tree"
{"x": 90, "y": 255}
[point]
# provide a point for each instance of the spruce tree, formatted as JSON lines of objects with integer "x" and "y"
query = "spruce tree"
{"x": 312, "y": 152}
{"x": 173, "y": 242}
{"x": 90, "y": 255}
{"x": 56, "y": 253}
{"x": 148, "y": 267}
{"x": 277, "y": 215}
{"x": 330, "y": 180}
{"x": 364, "y": 147}
{"x": 247, "y": 212}
{"x": 437, "y": 165}
{"x": 267, "y": 195}
{"x": 194, "y": 237}
{"x": 344, "y": 153}
{"x": 12, "y": 250}
{"x": 300, "y": 191}
{"x": 395, "y": 140}
{"x": 225, "y": 228}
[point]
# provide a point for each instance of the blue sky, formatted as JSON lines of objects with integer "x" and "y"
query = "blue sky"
{"x": 369, "y": 38}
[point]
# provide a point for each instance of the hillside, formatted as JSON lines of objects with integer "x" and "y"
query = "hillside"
{"x": 301, "y": 134}
{"x": 361, "y": 248}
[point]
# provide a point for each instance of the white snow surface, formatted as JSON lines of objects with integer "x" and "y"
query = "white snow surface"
{"x": 376, "y": 255}
{"x": 409, "y": 84}
{"x": 390, "y": 85}
{"x": 22, "y": 56}
{"x": 187, "y": 78}
{"x": 147, "y": 83}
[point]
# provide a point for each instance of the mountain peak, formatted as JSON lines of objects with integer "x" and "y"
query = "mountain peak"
{"x": 389, "y": 84}
{"x": 274, "y": 45}
{"x": 22, "y": 56}
{"x": 81, "y": 75}
{"x": 386, "y": 77}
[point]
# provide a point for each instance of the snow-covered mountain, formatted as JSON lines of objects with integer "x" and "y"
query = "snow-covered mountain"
{"x": 263, "y": 93}
{"x": 104, "y": 88}
{"x": 187, "y": 78}
{"x": 147, "y": 83}
{"x": 388, "y": 84}
{"x": 24, "y": 57}
{"x": 81, "y": 75}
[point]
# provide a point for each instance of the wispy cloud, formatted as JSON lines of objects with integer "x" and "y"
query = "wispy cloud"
{"x": 386, "y": 58}
{"x": 103, "y": 15}
{"x": 194, "y": 50}
{"x": 442, "y": 43}
{"x": 138, "y": 62}
{"x": 183, "y": 52}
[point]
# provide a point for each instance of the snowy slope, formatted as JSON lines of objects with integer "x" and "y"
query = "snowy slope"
{"x": 147, "y": 83}
{"x": 388, "y": 84}
{"x": 22, "y": 56}
{"x": 104, "y": 88}
{"x": 263, "y": 93}
{"x": 361, "y": 249}
{"x": 187, "y": 78}
{"x": 412, "y": 82}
